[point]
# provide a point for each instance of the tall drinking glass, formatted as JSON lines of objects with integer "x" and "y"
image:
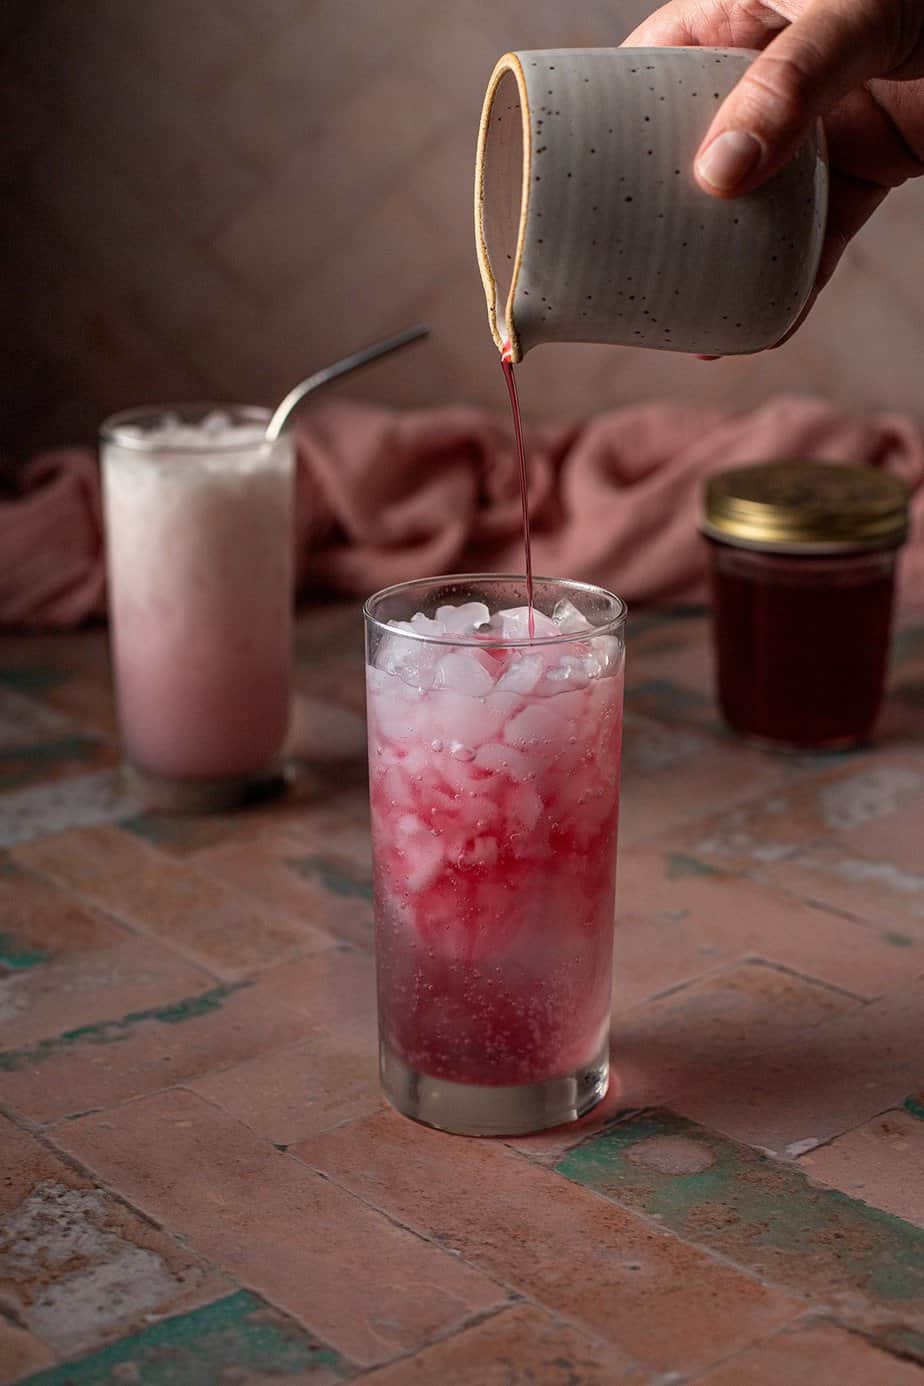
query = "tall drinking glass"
{"x": 494, "y": 782}
{"x": 199, "y": 515}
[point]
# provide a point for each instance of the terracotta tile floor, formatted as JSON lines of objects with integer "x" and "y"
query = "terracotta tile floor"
{"x": 201, "y": 1181}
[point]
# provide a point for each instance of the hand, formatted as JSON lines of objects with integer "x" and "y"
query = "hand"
{"x": 856, "y": 63}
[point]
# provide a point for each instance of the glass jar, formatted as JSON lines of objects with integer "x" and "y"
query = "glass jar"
{"x": 802, "y": 570}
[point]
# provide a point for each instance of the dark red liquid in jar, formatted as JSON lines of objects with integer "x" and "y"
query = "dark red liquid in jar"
{"x": 510, "y": 382}
{"x": 801, "y": 643}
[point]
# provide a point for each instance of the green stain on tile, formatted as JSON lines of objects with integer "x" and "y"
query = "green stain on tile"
{"x": 334, "y": 877}
{"x": 240, "y": 1334}
{"x": 825, "y": 760}
{"x": 899, "y": 940}
{"x": 160, "y": 832}
{"x": 193, "y": 1007}
{"x": 183, "y": 834}
{"x": 113, "y": 1031}
{"x": 17, "y": 957}
{"x": 762, "y": 1214}
{"x": 20, "y": 764}
{"x": 915, "y": 1105}
{"x": 34, "y": 678}
{"x": 888, "y": 1282}
{"x": 678, "y": 864}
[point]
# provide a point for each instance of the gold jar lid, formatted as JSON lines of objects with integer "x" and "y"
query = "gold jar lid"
{"x": 806, "y": 507}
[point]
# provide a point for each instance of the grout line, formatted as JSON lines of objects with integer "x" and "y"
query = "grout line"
{"x": 796, "y": 1162}
{"x": 430, "y": 1240}
{"x": 632, "y": 1213}
{"x": 134, "y": 930}
{"x": 134, "y": 926}
{"x": 140, "y": 930}
{"x": 808, "y": 1319}
{"x": 44, "y": 1137}
{"x": 471, "y": 1321}
{"x": 652, "y": 1223}
{"x": 870, "y": 1336}
{"x": 787, "y": 970}
{"x": 813, "y": 902}
{"x": 819, "y": 1308}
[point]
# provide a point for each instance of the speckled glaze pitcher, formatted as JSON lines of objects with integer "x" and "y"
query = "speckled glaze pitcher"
{"x": 590, "y": 226}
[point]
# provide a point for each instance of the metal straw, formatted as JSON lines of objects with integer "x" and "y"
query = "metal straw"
{"x": 295, "y": 396}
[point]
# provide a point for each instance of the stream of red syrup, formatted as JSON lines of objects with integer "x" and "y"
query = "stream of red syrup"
{"x": 510, "y": 382}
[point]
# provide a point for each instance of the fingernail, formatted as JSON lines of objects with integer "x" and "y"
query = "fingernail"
{"x": 728, "y": 159}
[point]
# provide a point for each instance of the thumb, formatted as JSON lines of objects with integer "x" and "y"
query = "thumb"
{"x": 834, "y": 46}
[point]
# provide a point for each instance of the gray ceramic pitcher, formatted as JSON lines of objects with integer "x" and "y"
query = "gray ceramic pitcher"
{"x": 591, "y": 228}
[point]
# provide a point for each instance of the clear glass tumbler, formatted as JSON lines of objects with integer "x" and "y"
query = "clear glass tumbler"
{"x": 199, "y": 539}
{"x": 494, "y": 784}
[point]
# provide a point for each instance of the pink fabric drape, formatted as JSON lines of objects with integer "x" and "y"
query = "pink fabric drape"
{"x": 385, "y": 495}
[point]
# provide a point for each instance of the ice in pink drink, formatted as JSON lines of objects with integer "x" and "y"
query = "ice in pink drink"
{"x": 494, "y": 777}
{"x": 199, "y": 551}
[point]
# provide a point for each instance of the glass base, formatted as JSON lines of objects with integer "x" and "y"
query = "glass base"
{"x": 218, "y": 795}
{"x": 467, "y": 1109}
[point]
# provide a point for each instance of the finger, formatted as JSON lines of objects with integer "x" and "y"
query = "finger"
{"x": 668, "y": 27}
{"x": 871, "y": 137}
{"x": 851, "y": 203}
{"x": 798, "y": 322}
{"x": 695, "y": 24}
{"x": 807, "y": 68}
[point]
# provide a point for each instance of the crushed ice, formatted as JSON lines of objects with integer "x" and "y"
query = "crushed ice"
{"x": 215, "y": 430}
{"x": 475, "y": 671}
{"x": 461, "y": 620}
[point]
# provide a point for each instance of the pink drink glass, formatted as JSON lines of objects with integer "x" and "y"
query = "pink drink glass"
{"x": 199, "y": 557}
{"x": 494, "y": 784}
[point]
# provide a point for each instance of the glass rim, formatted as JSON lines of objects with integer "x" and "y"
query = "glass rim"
{"x": 611, "y": 626}
{"x": 109, "y": 429}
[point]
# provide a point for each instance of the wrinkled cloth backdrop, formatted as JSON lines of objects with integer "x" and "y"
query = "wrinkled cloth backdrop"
{"x": 386, "y": 495}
